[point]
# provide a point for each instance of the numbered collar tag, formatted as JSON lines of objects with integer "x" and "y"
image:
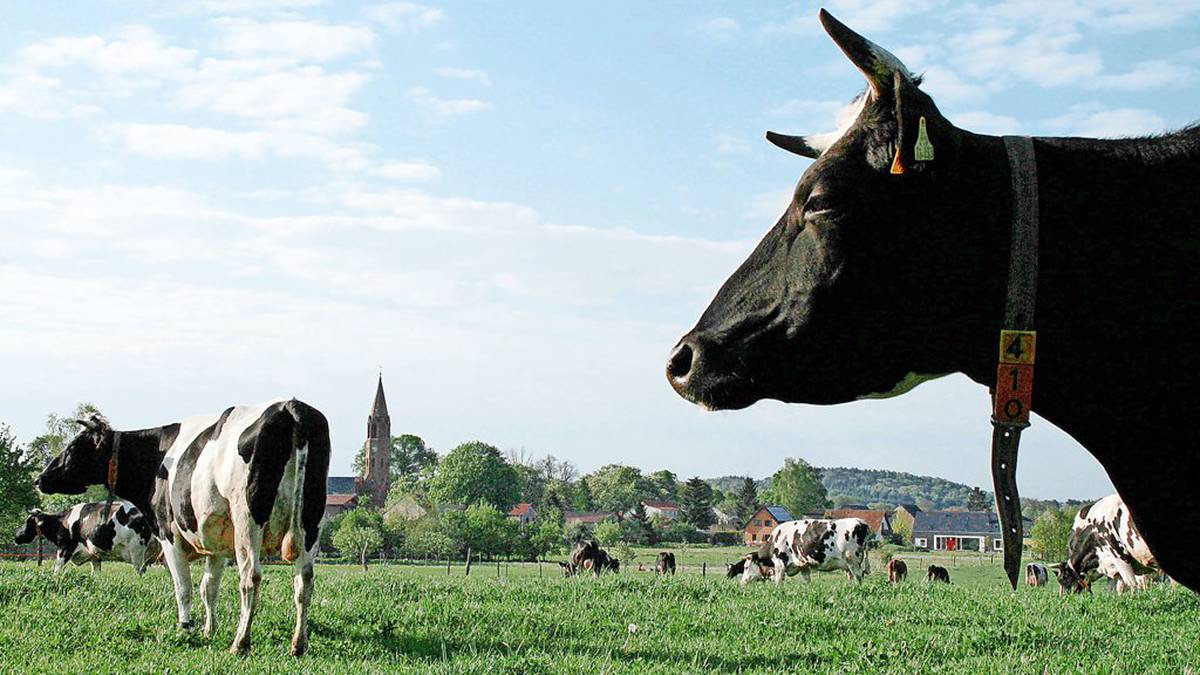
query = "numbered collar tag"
{"x": 1014, "y": 377}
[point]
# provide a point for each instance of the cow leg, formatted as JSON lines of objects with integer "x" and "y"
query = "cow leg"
{"x": 248, "y": 546}
{"x": 181, "y": 577}
{"x": 96, "y": 566}
{"x": 210, "y": 588}
{"x": 780, "y": 569}
{"x": 303, "y": 588}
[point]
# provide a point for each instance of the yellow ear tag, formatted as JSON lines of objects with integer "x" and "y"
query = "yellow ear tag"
{"x": 897, "y": 165}
{"x": 923, "y": 150}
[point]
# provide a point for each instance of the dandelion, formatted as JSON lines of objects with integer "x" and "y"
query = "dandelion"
{"x": 632, "y": 628}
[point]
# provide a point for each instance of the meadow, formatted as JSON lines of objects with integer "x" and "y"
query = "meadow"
{"x": 412, "y": 618}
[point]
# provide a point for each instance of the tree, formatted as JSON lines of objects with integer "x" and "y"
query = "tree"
{"x": 977, "y": 500}
{"x": 581, "y": 497}
{"x": 360, "y": 533}
{"x": 639, "y": 530}
{"x": 475, "y": 472}
{"x": 902, "y": 528}
{"x": 409, "y": 460}
{"x": 60, "y": 430}
{"x": 546, "y": 536}
{"x": 1050, "y": 534}
{"x": 616, "y": 487}
{"x": 607, "y": 533}
{"x": 664, "y": 485}
{"x": 17, "y": 495}
{"x": 483, "y": 528}
{"x": 798, "y": 488}
{"x": 696, "y": 506}
{"x": 747, "y": 499}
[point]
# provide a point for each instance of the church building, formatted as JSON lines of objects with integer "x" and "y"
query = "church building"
{"x": 343, "y": 493}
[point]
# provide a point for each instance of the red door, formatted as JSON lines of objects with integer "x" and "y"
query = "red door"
{"x": 951, "y": 543}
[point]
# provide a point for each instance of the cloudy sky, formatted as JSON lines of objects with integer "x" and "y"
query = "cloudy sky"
{"x": 514, "y": 210}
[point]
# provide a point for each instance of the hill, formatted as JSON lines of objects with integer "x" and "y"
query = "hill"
{"x": 874, "y": 486}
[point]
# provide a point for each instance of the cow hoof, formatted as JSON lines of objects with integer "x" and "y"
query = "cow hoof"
{"x": 299, "y": 649}
{"x": 187, "y": 625}
{"x": 243, "y": 648}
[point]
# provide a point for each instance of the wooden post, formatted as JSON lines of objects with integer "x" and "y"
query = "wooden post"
{"x": 447, "y": 565}
{"x": 539, "y": 568}
{"x": 468, "y": 561}
{"x": 703, "y": 569}
{"x": 497, "y": 569}
{"x": 39, "y": 551}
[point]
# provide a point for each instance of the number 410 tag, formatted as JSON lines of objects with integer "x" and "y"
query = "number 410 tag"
{"x": 1014, "y": 377}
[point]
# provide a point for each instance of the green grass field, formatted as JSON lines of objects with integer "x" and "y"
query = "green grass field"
{"x": 419, "y": 619}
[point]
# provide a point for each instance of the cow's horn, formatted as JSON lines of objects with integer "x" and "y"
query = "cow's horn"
{"x": 876, "y": 63}
{"x": 797, "y": 145}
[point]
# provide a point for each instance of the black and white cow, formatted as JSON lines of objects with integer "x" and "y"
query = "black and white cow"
{"x": 243, "y": 484}
{"x": 92, "y": 532}
{"x": 801, "y": 546}
{"x": 1036, "y": 574}
{"x": 665, "y": 564}
{"x": 1104, "y": 542}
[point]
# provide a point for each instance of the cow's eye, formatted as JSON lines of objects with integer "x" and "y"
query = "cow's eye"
{"x": 818, "y": 205}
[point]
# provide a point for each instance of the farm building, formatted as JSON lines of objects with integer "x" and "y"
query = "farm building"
{"x": 880, "y": 521}
{"x": 959, "y": 530}
{"x": 758, "y": 528}
{"x": 523, "y": 513}
{"x": 668, "y": 510}
{"x": 904, "y": 517}
{"x": 340, "y": 494}
{"x": 586, "y": 517}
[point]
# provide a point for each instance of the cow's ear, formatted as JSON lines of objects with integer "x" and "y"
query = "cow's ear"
{"x": 874, "y": 62}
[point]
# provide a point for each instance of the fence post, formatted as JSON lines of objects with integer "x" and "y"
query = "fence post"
{"x": 468, "y": 561}
{"x": 539, "y": 568}
{"x": 39, "y": 551}
{"x": 703, "y": 569}
{"x": 497, "y": 569}
{"x": 447, "y": 565}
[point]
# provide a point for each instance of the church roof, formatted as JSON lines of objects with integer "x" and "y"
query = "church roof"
{"x": 379, "y": 407}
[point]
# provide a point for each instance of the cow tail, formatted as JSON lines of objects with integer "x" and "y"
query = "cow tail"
{"x": 291, "y": 545}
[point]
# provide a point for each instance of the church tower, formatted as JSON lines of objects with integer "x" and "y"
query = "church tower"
{"x": 377, "y": 477}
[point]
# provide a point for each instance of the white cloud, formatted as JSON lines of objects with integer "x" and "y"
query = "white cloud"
{"x": 41, "y": 98}
{"x": 254, "y": 6}
{"x": 181, "y": 141}
{"x": 983, "y": 122}
{"x": 416, "y": 171}
{"x": 135, "y": 50}
{"x": 445, "y": 107}
{"x": 1153, "y": 74}
{"x": 1094, "y": 120}
{"x": 470, "y": 74}
{"x": 292, "y": 39}
{"x": 807, "y": 109}
{"x": 404, "y": 15}
{"x": 719, "y": 28}
{"x": 947, "y": 86}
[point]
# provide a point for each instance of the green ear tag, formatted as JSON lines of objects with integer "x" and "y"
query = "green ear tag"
{"x": 923, "y": 150}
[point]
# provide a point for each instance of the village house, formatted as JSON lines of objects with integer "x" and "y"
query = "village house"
{"x": 758, "y": 528}
{"x": 586, "y": 517}
{"x": 668, "y": 510}
{"x": 523, "y": 513}
{"x": 959, "y": 531}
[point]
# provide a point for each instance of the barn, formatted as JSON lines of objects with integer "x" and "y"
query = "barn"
{"x": 758, "y": 528}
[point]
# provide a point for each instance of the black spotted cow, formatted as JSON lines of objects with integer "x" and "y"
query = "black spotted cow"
{"x": 801, "y": 546}
{"x": 1105, "y": 543}
{"x": 93, "y": 532}
{"x": 243, "y": 484}
{"x": 1036, "y": 574}
{"x": 938, "y": 573}
{"x": 665, "y": 564}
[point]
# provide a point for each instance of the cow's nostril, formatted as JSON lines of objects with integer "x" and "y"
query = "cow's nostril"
{"x": 681, "y": 362}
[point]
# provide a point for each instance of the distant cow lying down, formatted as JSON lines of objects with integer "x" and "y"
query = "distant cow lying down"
{"x": 801, "y": 546}
{"x": 938, "y": 573}
{"x": 90, "y": 533}
{"x": 1105, "y": 543}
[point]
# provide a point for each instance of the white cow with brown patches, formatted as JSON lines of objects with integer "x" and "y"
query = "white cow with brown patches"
{"x": 801, "y": 546}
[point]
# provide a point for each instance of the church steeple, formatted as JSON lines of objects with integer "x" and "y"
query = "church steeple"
{"x": 377, "y": 479}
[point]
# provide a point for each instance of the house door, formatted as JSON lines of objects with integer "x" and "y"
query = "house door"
{"x": 951, "y": 543}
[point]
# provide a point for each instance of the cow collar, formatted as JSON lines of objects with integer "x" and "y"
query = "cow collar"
{"x": 110, "y": 481}
{"x": 1018, "y": 348}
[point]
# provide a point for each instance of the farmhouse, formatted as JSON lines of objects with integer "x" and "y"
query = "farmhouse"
{"x": 523, "y": 513}
{"x": 586, "y": 517}
{"x": 879, "y": 521}
{"x": 758, "y": 528}
{"x": 668, "y": 510}
{"x": 959, "y": 530}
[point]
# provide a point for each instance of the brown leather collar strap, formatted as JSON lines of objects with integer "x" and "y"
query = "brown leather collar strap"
{"x": 113, "y": 462}
{"x": 1018, "y": 349}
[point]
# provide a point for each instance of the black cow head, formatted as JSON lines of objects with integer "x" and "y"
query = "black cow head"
{"x": 840, "y": 298}
{"x": 48, "y": 525}
{"x": 83, "y": 463}
{"x": 1071, "y": 580}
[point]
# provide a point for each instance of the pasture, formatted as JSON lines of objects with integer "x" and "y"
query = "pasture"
{"x": 411, "y": 618}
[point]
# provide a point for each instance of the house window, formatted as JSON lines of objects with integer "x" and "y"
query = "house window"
{"x": 920, "y": 541}
{"x": 754, "y": 537}
{"x": 757, "y": 523}
{"x": 767, "y": 522}
{"x": 997, "y": 544}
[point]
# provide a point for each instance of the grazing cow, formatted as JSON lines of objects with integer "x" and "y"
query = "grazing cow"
{"x": 801, "y": 546}
{"x": 890, "y": 267}
{"x": 665, "y": 563}
{"x": 937, "y": 573}
{"x": 738, "y": 569}
{"x": 1036, "y": 574}
{"x": 1104, "y": 542}
{"x": 566, "y": 568}
{"x": 897, "y": 570}
{"x": 587, "y": 556}
{"x": 246, "y": 483}
{"x": 92, "y": 532}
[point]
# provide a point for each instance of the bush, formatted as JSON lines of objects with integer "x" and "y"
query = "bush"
{"x": 727, "y": 538}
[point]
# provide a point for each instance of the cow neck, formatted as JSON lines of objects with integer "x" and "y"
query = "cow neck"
{"x": 1013, "y": 387}
{"x": 139, "y": 461}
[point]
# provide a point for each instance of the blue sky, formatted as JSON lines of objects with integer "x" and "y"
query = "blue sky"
{"x": 515, "y": 210}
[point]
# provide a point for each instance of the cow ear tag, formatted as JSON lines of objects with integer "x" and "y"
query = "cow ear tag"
{"x": 897, "y": 165}
{"x": 923, "y": 150}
